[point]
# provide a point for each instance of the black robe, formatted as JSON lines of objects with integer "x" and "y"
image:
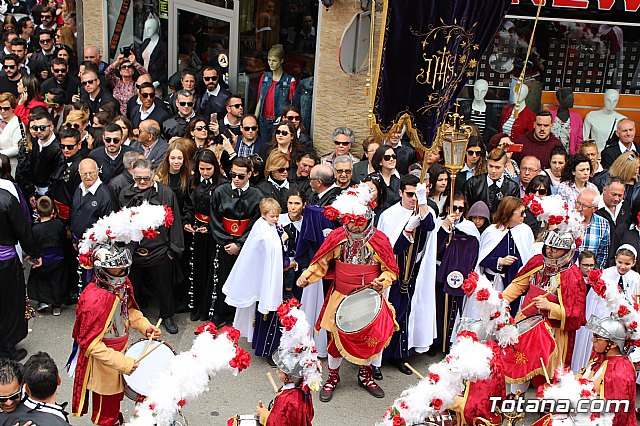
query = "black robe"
{"x": 65, "y": 180}
{"x": 87, "y": 209}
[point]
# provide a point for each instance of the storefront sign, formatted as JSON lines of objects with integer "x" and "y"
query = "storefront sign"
{"x": 623, "y": 11}
{"x": 417, "y": 90}
{"x": 163, "y": 9}
{"x": 117, "y": 31}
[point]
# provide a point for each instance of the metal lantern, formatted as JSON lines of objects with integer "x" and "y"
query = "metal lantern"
{"x": 454, "y": 138}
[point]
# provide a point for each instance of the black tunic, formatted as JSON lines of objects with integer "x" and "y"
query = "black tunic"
{"x": 44, "y": 162}
{"x": 86, "y": 210}
{"x": 65, "y": 180}
{"x": 108, "y": 167}
{"x": 227, "y": 203}
{"x": 48, "y": 283}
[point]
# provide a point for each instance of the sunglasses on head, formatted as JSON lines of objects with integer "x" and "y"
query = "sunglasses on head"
{"x": 389, "y": 157}
{"x": 5, "y": 109}
{"x": 93, "y": 80}
{"x": 342, "y": 143}
{"x": 292, "y": 117}
{"x": 282, "y": 132}
{"x": 70, "y": 125}
{"x": 111, "y": 140}
{"x": 236, "y": 106}
{"x": 210, "y": 78}
{"x": 458, "y": 209}
{"x": 472, "y": 153}
{"x": 201, "y": 128}
{"x": 250, "y": 128}
{"x": 234, "y": 175}
{"x": 185, "y": 103}
{"x": 13, "y": 397}
{"x": 40, "y": 128}
{"x": 67, "y": 147}
{"x": 148, "y": 95}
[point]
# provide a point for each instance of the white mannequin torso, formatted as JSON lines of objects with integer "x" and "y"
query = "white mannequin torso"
{"x": 479, "y": 105}
{"x": 148, "y": 51}
{"x": 600, "y": 125}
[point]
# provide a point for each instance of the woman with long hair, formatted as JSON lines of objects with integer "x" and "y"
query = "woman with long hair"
{"x": 292, "y": 113}
{"x": 276, "y": 172}
{"x": 175, "y": 171}
{"x": 64, "y": 35}
{"x": 29, "y": 97}
{"x": 125, "y": 125}
{"x": 575, "y": 178}
{"x": 475, "y": 162}
{"x": 438, "y": 186}
{"x": 384, "y": 162}
{"x": 285, "y": 139}
{"x": 375, "y": 181}
{"x": 68, "y": 54}
{"x": 197, "y": 208}
{"x": 626, "y": 167}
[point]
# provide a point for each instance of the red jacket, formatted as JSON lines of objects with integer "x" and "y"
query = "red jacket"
{"x": 522, "y": 125}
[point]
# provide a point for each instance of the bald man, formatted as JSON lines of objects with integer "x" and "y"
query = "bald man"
{"x": 93, "y": 54}
{"x": 150, "y": 143}
{"x": 323, "y": 184}
{"x": 91, "y": 201}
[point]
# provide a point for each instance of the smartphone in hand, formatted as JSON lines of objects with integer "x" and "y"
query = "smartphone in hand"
{"x": 515, "y": 147}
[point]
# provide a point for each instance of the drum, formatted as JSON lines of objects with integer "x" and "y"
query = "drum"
{"x": 535, "y": 341}
{"x": 246, "y": 420}
{"x": 139, "y": 384}
{"x": 358, "y": 310}
{"x": 445, "y": 418}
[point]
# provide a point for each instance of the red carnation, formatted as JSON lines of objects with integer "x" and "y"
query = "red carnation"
{"x": 470, "y": 334}
{"x": 85, "y": 259}
{"x": 182, "y": 403}
{"x": 527, "y": 199}
{"x": 347, "y": 218}
{"x": 108, "y": 233}
{"x": 232, "y": 333}
{"x": 585, "y": 393}
{"x": 434, "y": 377}
{"x": 241, "y": 360}
{"x": 632, "y": 326}
{"x": 473, "y": 275}
{"x": 92, "y": 237}
{"x": 168, "y": 216}
{"x": 495, "y": 315}
{"x": 483, "y": 294}
{"x": 555, "y": 220}
{"x": 536, "y": 208}
{"x": 594, "y": 416}
{"x": 635, "y": 306}
{"x": 501, "y": 325}
{"x": 208, "y": 327}
{"x": 583, "y": 381}
{"x": 283, "y": 310}
{"x": 150, "y": 233}
{"x": 436, "y": 403}
{"x": 500, "y": 296}
{"x": 469, "y": 286}
{"x": 372, "y": 204}
{"x": 331, "y": 213}
{"x": 600, "y": 287}
{"x": 360, "y": 220}
{"x": 623, "y": 310}
{"x": 293, "y": 303}
{"x": 288, "y": 322}
{"x": 578, "y": 241}
{"x": 398, "y": 420}
{"x": 595, "y": 275}
{"x": 152, "y": 406}
{"x": 512, "y": 321}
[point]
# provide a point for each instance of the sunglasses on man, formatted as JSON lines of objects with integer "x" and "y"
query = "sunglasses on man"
{"x": 13, "y": 397}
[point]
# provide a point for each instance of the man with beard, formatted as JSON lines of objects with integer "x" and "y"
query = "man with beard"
{"x": 214, "y": 99}
{"x": 153, "y": 260}
{"x": 109, "y": 156}
{"x": 60, "y": 78}
{"x": 9, "y": 81}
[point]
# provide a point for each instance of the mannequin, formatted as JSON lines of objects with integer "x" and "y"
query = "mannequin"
{"x": 508, "y": 124}
{"x": 567, "y": 125}
{"x": 600, "y": 125}
{"x": 153, "y": 50}
{"x": 275, "y": 92}
{"x": 479, "y": 106}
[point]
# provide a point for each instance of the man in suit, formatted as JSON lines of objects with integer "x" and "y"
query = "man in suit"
{"x": 626, "y": 131}
{"x": 149, "y": 142}
{"x": 323, "y": 186}
{"x": 612, "y": 208}
{"x": 215, "y": 97}
{"x": 493, "y": 186}
{"x": 147, "y": 110}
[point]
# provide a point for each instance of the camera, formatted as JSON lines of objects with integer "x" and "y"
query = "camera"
{"x": 126, "y": 51}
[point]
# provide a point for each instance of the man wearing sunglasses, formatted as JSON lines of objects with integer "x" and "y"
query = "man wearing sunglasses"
{"x": 43, "y": 56}
{"x": 11, "y": 382}
{"x": 343, "y": 168}
{"x": 109, "y": 156}
{"x": 234, "y": 209}
{"x": 61, "y": 79}
{"x": 11, "y": 75}
{"x": 230, "y": 124}
{"x": 147, "y": 110}
{"x": 343, "y": 139}
{"x": 177, "y": 125}
{"x": 19, "y": 48}
{"x": 46, "y": 154}
{"x": 153, "y": 258}
{"x": 66, "y": 179}
{"x": 215, "y": 97}
{"x": 92, "y": 93}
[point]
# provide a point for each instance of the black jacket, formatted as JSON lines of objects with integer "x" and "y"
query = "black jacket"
{"x": 107, "y": 167}
{"x": 326, "y": 200}
{"x": 622, "y": 222}
{"x": 44, "y": 163}
{"x": 40, "y": 61}
{"x": 226, "y": 203}
{"x": 65, "y": 180}
{"x": 94, "y": 105}
{"x": 611, "y": 152}
{"x": 85, "y": 211}
{"x": 158, "y": 114}
{"x": 476, "y": 189}
{"x": 175, "y": 126}
{"x": 406, "y": 157}
{"x": 70, "y": 87}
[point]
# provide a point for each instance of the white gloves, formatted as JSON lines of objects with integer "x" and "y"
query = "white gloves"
{"x": 413, "y": 223}
{"x": 421, "y": 193}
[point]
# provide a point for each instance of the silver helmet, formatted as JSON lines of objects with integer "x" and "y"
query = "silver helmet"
{"x": 288, "y": 362}
{"x": 611, "y": 328}
{"x": 560, "y": 240}
{"x": 111, "y": 257}
{"x": 475, "y": 326}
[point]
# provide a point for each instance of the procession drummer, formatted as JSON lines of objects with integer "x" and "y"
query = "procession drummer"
{"x": 363, "y": 257}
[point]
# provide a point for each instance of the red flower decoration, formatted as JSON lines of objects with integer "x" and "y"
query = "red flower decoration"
{"x": 150, "y": 233}
{"x": 208, "y": 327}
{"x": 108, "y": 233}
{"x": 92, "y": 237}
{"x": 398, "y": 420}
{"x": 241, "y": 360}
{"x": 182, "y": 403}
{"x": 578, "y": 241}
{"x": 632, "y": 326}
{"x": 585, "y": 393}
{"x": 512, "y": 321}
{"x": 501, "y": 325}
{"x": 293, "y": 303}
{"x": 555, "y": 220}
{"x": 623, "y": 311}
{"x": 583, "y": 381}
{"x": 404, "y": 405}
{"x": 152, "y": 406}
{"x": 594, "y": 416}
{"x": 283, "y": 310}
{"x": 483, "y": 294}
{"x": 168, "y": 216}
{"x": 536, "y": 208}
{"x": 436, "y": 403}
{"x": 372, "y": 204}
{"x": 473, "y": 275}
{"x": 469, "y": 286}
{"x": 232, "y": 333}
{"x": 528, "y": 198}
{"x": 85, "y": 259}
{"x": 495, "y": 315}
{"x": 331, "y": 213}
{"x": 288, "y": 322}
{"x": 470, "y": 334}
{"x": 360, "y": 220}
{"x": 434, "y": 377}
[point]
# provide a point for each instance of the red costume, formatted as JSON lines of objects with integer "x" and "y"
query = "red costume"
{"x": 567, "y": 291}
{"x": 101, "y": 361}
{"x": 522, "y": 125}
{"x": 290, "y": 407}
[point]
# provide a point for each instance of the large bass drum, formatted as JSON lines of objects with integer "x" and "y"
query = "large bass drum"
{"x": 138, "y": 385}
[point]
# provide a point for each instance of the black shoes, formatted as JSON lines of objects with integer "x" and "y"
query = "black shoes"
{"x": 170, "y": 325}
{"x": 399, "y": 364}
{"x": 19, "y": 354}
{"x": 377, "y": 373}
{"x": 218, "y": 321}
{"x": 194, "y": 316}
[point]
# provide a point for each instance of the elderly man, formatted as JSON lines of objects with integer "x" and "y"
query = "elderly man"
{"x": 343, "y": 138}
{"x": 343, "y": 168}
{"x": 153, "y": 259}
{"x": 324, "y": 189}
{"x": 177, "y": 125}
{"x": 109, "y": 156}
{"x": 91, "y": 201}
{"x": 597, "y": 233}
{"x": 147, "y": 110}
{"x": 538, "y": 142}
{"x": 93, "y": 94}
{"x": 613, "y": 208}
{"x": 626, "y": 131}
{"x": 529, "y": 168}
{"x": 149, "y": 143}
{"x": 125, "y": 178}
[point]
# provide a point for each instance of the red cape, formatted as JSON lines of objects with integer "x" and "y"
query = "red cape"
{"x": 378, "y": 241}
{"x": 94, "y": 311}
{"x": 291, "y": 407}
{"x": 620, "y": 384}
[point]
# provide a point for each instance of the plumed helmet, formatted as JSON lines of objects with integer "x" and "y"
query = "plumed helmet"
{"x": 288, "y": 362}
{"x": 611, "y": 328}
{"x": 475, "y": 326}
{"x": 111, "y": 256}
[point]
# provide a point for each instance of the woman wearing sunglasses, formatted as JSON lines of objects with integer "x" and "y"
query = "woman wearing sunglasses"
{"x": 540, "y": 186}
{"x": 384, "y": 162}
{"x": 11, "y": 134}
{"x": 124, "y": 85}
{"x": 276, "y": 172}
{"x": 285, "y": 139}
{"x": 292, "y": 113}
{"x": 78, "y": 120}
{"x": 475, "y": 162}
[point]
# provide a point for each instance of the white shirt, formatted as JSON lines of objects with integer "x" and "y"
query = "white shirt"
{"x": 498, "y": 182}
{"x": 92, "y": 189}
{"x": 48, "y": 142}
{"x": 145, "y": 114}
{"x": 601, "y": 204}
{"x": 215, "y": 91}
{"x": 624, "y": 149}
{"x": 468, "y": 170}
{"x": 115, "y": 156}
{"x": 244, "y": 188}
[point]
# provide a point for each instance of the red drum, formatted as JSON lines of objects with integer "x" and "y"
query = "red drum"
{"x": 522, "y": 360}
{"x": 364, "y": 324}
{"x": 445, "y": 418}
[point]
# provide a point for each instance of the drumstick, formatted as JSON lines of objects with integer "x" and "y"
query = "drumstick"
{"x": 414, "y": 371}
{"x": 160, "y": 343}
{"x": 151, "y": 338}
{"x": 273, "y": 382}
{"x": 546, "y": 375}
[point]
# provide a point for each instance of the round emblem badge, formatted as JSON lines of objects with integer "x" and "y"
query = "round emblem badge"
{"x": 94, "y": 203}
{"x": 223, "y": 60}
{"x": 455, "y": 279}
{"x": 234, "y": 227}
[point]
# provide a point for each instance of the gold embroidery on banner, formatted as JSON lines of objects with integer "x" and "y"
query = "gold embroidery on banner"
{"x": 520, "y": 357}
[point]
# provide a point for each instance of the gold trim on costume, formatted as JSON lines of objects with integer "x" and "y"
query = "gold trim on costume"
{"x": 539, "y": 370}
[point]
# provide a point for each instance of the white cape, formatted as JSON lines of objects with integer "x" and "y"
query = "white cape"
{"x": 256, "y": 276}
{"x": 393, "y": 220}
